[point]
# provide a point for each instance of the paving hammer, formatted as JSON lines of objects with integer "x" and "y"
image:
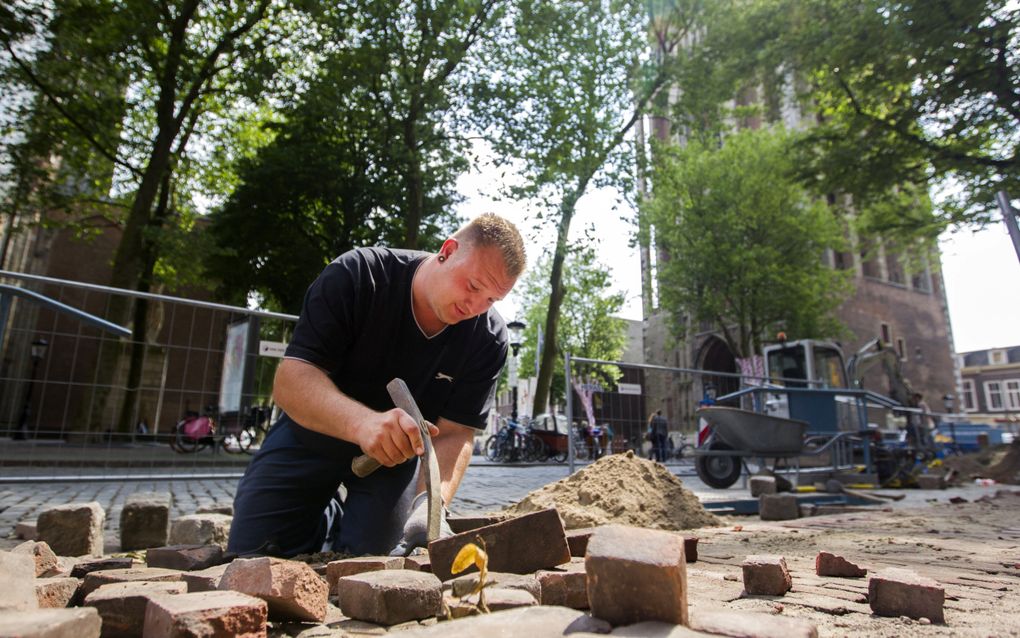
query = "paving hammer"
{"x": 364, "y": 465}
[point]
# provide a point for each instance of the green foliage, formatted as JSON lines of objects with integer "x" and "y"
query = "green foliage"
{"x": 587, "y": 327}
{"x": 368, "y": 154}
{"x": 746, "y": 243}
{"x": 913, "y": 95}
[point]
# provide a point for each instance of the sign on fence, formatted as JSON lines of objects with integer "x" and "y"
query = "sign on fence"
{"x": 629, "y": 388}
{"x": 272, "y": 349}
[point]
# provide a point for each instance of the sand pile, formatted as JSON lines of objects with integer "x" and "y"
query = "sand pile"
{"x": 623, "y": 489}
{"x": 1001, "y": 463}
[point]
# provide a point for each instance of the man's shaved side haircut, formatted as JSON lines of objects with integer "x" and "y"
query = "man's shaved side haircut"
{"x": 491, "y": 230}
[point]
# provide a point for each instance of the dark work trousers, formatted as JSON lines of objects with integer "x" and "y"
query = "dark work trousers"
{"x": 659, "y": 446}
{"x": 279, "y": 504}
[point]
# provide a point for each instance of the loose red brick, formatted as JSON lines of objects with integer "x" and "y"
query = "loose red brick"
{"x": 82, "y": 568}
{"x": 51, "y": 623}
{"x": 418, "y": 563}
{"x": 17, "y": 574}
{"x": 54, "y": 593}
{"x": 200, "y": 529}
{"x": 208, "y": 613}
{"x": 577, "y": 541}
{"x": 26, "y": 531}
{"x": 901, "y": 592}
{"x": 291, "y": 588}
{"x": 186, "y": 558}
{"x": 541, "y": 533}
{"x": 461, "y": 524}
{"x": 463, "y": 585}
{"x": 205, "y": 579}
{"x": 95, "y": 580}
{"x": 828, "y": 564}
{"x": 337, "y": 569}
{"x": 766, "y": 576}
{"x": 636, "y": 574}
{"x": 145, "y": 520}
{"x": 778, "y": 507}
{"x": 73, "y": 530}
{"x": 751, "y": 624}
{"x": 390, "y": 596}
{"x": 501, "y": 598}
{"x": 564, "y": 586}
{"x": 691, "y": 549}
{"x": 931, "y": 482}
{"x": 122, "y": 605}
{"x": 45, "y": 559}
{"x": 763, "y": 485}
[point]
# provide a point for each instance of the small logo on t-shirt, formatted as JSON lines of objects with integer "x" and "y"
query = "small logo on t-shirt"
{"x": 443, "y": 377}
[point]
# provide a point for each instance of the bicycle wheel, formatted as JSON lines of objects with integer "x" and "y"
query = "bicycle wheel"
{"x": 239, "y": 442}
{"x": 532, "y": 448}
{"x": 685, "y": 452}
{"x": 186, "y": 444}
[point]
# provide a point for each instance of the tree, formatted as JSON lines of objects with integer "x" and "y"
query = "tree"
{"x": 560, "y": 100}
{"x": 369, "y": 153}
{"x": 908, "y": 96}
{"x": 745, "y": 242}
{"x": 587, "y": 327}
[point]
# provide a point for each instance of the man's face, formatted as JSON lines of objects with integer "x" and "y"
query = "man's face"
{"x": 470, "y": 280}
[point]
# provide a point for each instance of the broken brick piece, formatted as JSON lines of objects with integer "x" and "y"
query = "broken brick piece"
{"x": 461, "y": 524}
{"x": 828, "y": 564}
{"x": 464, "y": 585}
{"x": 291, "y": 588}
{"x": 390, "y": 596}
{"x": 778, "y": 507}
{"x": 54, "y": 593}
{"x": 901, "y": 592}
{"x": 691, "y": 549}
{"x": 207, "y": 613}
{"x": 17, "y": 573}
{"x": 541, "y": 533}
{"x": 122, "y": 605}
{"x": 577, "y": 541}
{"x": 763, "y": 485}
{"x": 766, "y": 576}
{"x": 636, "y": 574}
{"x": 204, "y": 579}
{"x": 45, "y": 559}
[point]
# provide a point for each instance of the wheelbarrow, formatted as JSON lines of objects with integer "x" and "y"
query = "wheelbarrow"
{"x": 737, "y": 435}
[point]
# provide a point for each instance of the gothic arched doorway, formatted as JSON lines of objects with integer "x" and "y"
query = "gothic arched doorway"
{"x": 715, "y": 356}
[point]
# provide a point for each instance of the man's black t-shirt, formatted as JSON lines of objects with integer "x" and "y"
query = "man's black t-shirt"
{"x": 358, "y": 326}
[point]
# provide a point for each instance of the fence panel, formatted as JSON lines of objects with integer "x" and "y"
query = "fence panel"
{"x": 78, "y": 400}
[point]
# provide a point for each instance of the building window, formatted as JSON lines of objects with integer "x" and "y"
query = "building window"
{"x": 993, "y": 396}
{"x": 998, "y": 357}
{"x": 1013, "y": 394}
{"x": 893, "y": 267}
{"x": 886, "y": 334}
{"x": 969, "y": 396}
{"x": 901, "y": 348}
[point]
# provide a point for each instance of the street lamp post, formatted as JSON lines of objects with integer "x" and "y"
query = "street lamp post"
{"x": 37, "y": 352}
{"x": 516, "y": 330}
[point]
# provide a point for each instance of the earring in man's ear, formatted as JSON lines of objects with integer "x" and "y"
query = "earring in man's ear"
{"x": 442, "y": 259}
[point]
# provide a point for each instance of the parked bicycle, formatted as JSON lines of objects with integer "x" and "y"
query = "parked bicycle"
{"x": 195, "y": 431}
{"x": 681, "y": 450}
{"x": 514, "y": 442}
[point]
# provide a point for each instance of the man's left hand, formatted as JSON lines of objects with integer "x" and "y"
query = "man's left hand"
{"x": 416, "y": 528}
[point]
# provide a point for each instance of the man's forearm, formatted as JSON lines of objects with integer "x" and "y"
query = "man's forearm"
{"x": 309, "y": 397}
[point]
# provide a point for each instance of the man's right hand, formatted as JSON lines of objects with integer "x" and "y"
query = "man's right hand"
{"x": 391, "y": 437}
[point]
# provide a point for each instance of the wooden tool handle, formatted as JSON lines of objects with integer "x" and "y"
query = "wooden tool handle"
{"x": 364, "y": 465}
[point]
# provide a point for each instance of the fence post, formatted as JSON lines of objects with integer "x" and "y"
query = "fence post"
{"x": 570, "y": 411}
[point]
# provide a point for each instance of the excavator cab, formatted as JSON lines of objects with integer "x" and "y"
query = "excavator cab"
{"x": 818, "y": 363}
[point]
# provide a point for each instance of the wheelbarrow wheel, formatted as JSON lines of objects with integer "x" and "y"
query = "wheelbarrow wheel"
{"x": 718, "y": 471}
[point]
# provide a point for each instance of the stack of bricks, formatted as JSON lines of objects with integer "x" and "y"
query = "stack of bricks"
{"x": 539, "y": 581}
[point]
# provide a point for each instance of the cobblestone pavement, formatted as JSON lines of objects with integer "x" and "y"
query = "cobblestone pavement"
{"x": 486, "y": 487}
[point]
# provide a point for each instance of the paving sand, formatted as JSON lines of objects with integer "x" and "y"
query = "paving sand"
{"x": 623, "y": 489}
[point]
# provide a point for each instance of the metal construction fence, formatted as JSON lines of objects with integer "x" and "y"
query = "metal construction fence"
{"x": 94, "y": 381}
{"x": 621, "y": 398}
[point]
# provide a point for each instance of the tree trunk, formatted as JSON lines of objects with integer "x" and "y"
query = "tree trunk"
{"x": 415, "y": 188}
{"x": 550, "y": 349}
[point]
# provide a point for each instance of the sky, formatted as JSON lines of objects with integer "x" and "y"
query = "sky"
{"x": 980, "y": 269}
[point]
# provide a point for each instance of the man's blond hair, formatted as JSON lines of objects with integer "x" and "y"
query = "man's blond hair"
{"x": 491, "y": 230}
